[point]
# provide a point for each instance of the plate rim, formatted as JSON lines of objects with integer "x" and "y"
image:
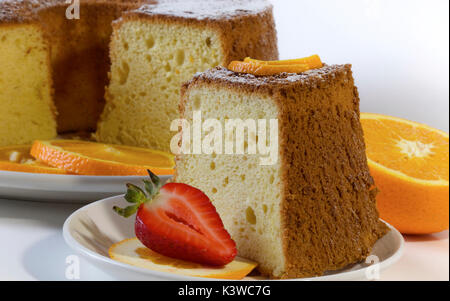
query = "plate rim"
{"x": 66, "y": 176}
{"x": 57, "y": 188}
{"x": 89, "y": 254}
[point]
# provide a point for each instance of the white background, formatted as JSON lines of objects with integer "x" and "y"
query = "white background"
{"x": 399, "y": 50}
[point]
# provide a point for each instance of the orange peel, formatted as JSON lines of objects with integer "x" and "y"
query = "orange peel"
{"x": 267, "y": 68}
{"x": 312, "y": 61}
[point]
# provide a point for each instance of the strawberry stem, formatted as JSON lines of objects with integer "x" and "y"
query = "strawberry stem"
{"x": 137, "y": 196}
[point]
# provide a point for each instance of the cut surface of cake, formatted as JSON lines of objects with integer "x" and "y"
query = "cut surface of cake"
{"x": 80, "y": 58}
{"x": 156, "y": 48}
{"x": 26, "y": 106}
{"x": 313, "y": 209}
{"x": 48, "y": 59}
{"x": 77, "y": 51}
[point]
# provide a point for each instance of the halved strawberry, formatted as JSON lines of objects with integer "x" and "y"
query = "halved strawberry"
{"x": 179, "y": 221}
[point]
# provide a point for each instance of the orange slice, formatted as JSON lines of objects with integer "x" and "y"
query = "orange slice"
{"x": 410, "y": 165}
{"x": 266, "y": 68}
{"x": 133, "y": 252}
{"x": 18, "y": 158}
{"x": 97, "y": 159}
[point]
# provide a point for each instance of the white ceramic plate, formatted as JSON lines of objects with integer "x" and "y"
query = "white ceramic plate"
{"x": 62, "y": 188}
{"x": 91, "y": 230}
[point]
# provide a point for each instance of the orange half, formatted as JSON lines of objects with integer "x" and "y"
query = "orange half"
{"x": 411, "y": 150}
{"x": 409, "y": 162}
{"x": 97, "y": 159}
{"x": 18, "y": 158}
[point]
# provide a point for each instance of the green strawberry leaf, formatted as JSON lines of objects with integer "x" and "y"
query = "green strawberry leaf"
{"x": 155, "y": 179}
{"x": 126, "y": 212}
{"x": 135, "y": 195}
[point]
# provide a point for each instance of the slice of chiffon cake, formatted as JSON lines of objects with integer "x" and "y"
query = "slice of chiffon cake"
{"x": 313, "y": 208}
{"x": 158, "y": 47}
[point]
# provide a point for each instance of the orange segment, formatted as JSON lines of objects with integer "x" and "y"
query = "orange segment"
{"x": 313, "y": 62}
{"x": 410, "y": 165}
{"x": 90, "y": 158}
{"x": 18, "y": 158}
{"x": 133, "y": 252}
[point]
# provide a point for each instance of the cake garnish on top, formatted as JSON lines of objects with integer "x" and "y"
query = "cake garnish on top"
{"x": 266, "y": 68}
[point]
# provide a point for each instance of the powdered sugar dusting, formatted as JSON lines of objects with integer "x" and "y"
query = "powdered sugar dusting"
{"x": 19, "y": 10}
{"x": 314, "y": 76}
{"x": 205, "y": 9}
{"x": 25, "y": 10}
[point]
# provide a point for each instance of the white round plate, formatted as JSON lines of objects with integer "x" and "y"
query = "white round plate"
{"x": 91, "y": 230}
{"x": 62, "y": 188}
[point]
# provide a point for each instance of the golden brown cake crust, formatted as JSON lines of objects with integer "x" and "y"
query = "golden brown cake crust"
{"x": 20, "y": 11}
{"x": 247, "y": 28}
{"x": 329, "y": 215}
